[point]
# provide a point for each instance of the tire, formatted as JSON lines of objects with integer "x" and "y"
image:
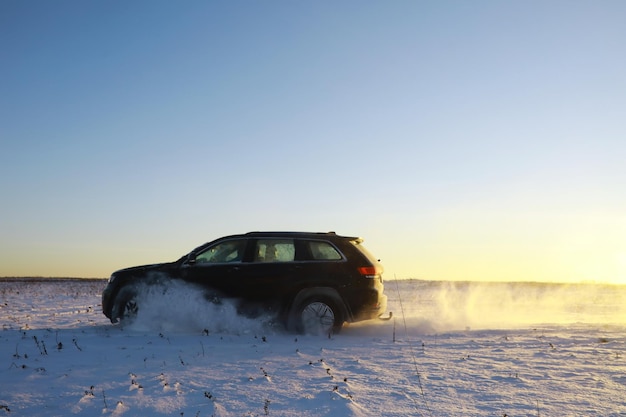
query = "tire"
{"x": 318, "y": 314}
{"x": 126, "y": 307}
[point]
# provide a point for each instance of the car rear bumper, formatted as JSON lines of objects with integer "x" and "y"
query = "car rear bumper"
{"x": 372, "y": 310}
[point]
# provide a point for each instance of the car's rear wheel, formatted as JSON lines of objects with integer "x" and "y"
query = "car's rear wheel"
{"x": 318, "y": 314}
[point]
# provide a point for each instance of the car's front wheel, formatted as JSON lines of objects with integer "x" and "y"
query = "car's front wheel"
{"x": 317, "y": 314}
{"x": 126, "y": 307}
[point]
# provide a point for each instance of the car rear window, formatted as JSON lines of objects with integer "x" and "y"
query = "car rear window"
{"x": 323, "y": 251}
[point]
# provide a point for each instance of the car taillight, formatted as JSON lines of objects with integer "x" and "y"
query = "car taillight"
{"x": 370, "y": 271}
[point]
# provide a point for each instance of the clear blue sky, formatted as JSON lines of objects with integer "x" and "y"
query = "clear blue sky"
{"x": 462, "y": 140}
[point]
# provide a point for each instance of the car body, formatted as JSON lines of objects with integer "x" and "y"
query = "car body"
{"x": 312, "y": 282}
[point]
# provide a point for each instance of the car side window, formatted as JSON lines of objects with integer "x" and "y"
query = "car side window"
{"x": 275, "y": 250}
{"x": 228, "y": 251}
{"x": 323, "y": 251}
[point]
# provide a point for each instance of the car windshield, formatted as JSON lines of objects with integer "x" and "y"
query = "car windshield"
{"x": 191, "y": 254}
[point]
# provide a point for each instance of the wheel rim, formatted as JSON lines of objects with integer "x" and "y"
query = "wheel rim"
{"x": 130, "y": 309}
{"x": 318, "y": 318}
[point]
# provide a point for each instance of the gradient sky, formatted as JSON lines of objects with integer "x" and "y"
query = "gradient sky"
{"x": 463, "y": 140}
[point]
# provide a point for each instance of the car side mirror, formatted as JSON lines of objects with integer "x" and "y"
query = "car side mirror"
{"x": 191, "y": 259}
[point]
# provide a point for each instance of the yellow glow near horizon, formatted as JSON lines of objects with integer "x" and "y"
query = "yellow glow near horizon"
{"x": 466, "y": 245}
{"x": 460, "y": 245}
{"x": 499, "y": 266}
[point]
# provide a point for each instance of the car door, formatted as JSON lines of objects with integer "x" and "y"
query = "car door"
{"x": 218, "y": 266}
{"x": 325, "y": 265}
{"x": 268, "y": 275}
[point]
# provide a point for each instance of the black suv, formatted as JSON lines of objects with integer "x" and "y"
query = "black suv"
{"x": 312, "y": 282}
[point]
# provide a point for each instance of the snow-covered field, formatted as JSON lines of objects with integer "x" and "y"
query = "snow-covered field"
{"x": 464, "y": 349}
